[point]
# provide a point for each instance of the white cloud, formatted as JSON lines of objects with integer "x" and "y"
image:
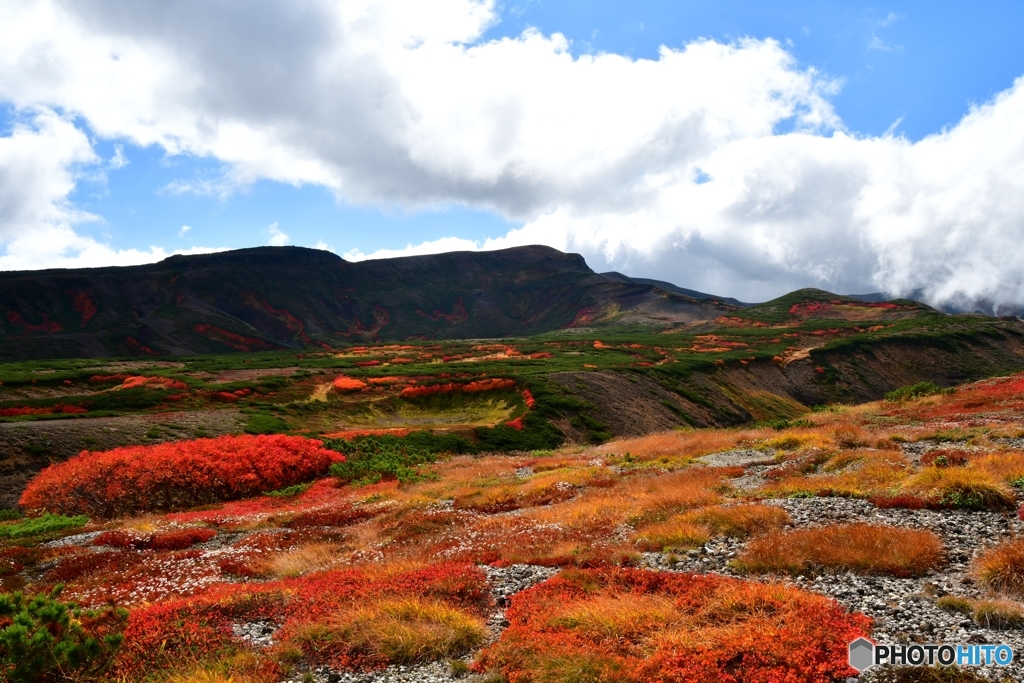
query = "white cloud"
{"x": 119, "y": 160}
{"x": 184, "y": 230}
{"x": 395, "y": 101}
{"x": 277, "y": 237}
{"x": 323, "y": 246}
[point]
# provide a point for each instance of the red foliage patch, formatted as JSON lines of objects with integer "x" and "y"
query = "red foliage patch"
{"x": 341, "y": 515}
{"x": 47, "y": 326}
{"x": 159, "y": 636}
{"x": 13, "y": 560}
{"x": 516, "y": 423}
{"x": 152, "y": 383}
{"x": 637, "y": 625}
{"x": 235, "y": 341}
{"x": 50, "y": 410}
{"x": 469, "y": 388}
{"x": 84, "y": 305}
{"x": 176, "y": 475}
{"x": 367, "y": 363}
{"x": 174, "y": 539}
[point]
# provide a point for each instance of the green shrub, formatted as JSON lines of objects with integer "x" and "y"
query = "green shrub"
{"x": 537, "y": 435}
{"x": 7, "y": 514}
{"x": 289, "y": 492}
{"x": 369, "y": 459}
{"x": 48, "y": 640}
{"x": 44, "y": 524}
{"x": 951, "y": 603}
{"x": 262, "y": 423}
{"x": 912, "y": 391}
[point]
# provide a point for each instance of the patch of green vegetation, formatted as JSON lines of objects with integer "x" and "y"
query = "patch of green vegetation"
{"x": 290, "y": 491}
{"x": 912, "y": 391}
{"x": 263, "y": 423}
{"x": 370, "y": 459}
{"x": 45, "y": 524}
{"x": 7, "y": 515}
{"x": 779, "y": 425}
{"x": 52, "y": 640}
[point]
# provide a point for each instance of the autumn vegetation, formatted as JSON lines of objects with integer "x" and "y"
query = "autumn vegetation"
{"x": 368, "y": 548}
{"x": 176, "y": 475}
{"x": 860, "y": 548}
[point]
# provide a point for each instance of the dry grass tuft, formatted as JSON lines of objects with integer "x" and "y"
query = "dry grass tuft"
{"x": 740, "y": 521}
{"x": 675, "y": 534}
{"x": 857, "y": 473}
{"x": 961, "y": 487}
{"x": 400, "y": 631}
{"x": 304, "y": 559}
{"x": 1007, "y": 467}
{"x": 1001, "y": 568}
{"x": 861, "y": 548}
{"x": 998, "y": 614}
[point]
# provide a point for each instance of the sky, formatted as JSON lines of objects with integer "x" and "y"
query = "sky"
{"x": 741, "y": 148}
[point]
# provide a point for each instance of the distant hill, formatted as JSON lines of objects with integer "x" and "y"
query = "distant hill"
{"x": 292, "y": 297}
{"x": 669, "y": 287}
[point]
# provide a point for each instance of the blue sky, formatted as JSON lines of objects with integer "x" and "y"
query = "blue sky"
{"x": 365, "y": 128}
{"x": 916, "y": 63}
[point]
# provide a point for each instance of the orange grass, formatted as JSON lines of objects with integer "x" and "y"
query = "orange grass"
{"x": 861, "y": 473}
{"x": 961, "y": 487}
{"x": 1001, "y": 568}
{"x": 862, "y": 548}
{"x": 405, "y": 630}
{"x": 740, "y": 521}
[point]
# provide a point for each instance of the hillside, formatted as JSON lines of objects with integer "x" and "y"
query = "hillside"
{"x": 291, "y": 298}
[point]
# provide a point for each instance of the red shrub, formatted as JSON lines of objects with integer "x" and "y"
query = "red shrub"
{"x": 179, "y": 539}
{"x": 177, "y": 475}
{"x": 469, "y": 388}
{"x": 13, "y": 560}
{"x": 516, "y": 423}
{"x": 946, "y": 457}
{"x": 367, "y": 363}
{"x": 528, "y": 398}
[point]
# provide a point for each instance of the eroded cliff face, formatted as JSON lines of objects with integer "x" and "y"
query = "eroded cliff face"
{"x": 631, "y": 404}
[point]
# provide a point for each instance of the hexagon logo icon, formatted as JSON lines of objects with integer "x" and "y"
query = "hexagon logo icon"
{"x": 862, "y": 654}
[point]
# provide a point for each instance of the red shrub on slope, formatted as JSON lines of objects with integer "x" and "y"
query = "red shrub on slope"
{"x": 178, "y": 475}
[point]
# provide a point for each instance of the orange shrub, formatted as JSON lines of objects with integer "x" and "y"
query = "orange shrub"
{"x": 344, "y": 383}
{"x": 861, "y": 548}
{"x": 632, "y": 626}
{"x": 176, "y": 475}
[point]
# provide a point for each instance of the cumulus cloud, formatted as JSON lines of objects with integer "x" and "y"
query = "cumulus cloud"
{"x": 276, "y": 236}
{"x": 722, "y": 167}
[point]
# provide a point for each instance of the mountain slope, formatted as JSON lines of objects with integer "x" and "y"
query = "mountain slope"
{"x": 290, "y": 297}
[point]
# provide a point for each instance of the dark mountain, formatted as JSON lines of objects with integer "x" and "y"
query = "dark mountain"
{"x": 669, "y": 287}
{"x": 291, "y": 297}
